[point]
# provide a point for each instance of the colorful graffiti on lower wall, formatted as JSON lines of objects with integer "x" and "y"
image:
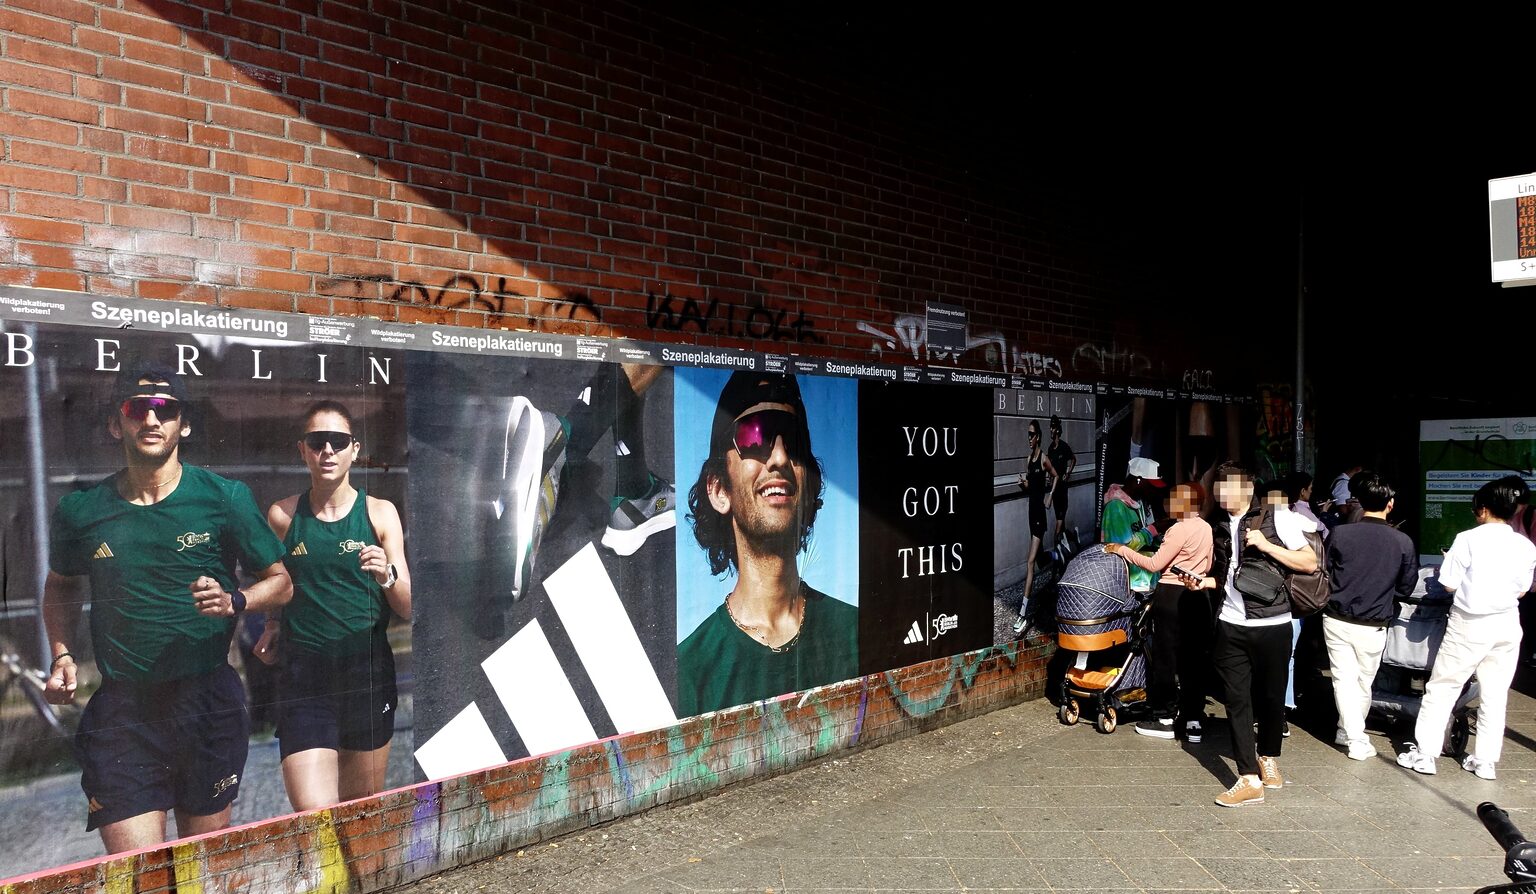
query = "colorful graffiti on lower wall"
{"x": 414, "y": 832}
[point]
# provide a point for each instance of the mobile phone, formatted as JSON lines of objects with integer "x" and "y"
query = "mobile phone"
{"x": 1182, "y": 573}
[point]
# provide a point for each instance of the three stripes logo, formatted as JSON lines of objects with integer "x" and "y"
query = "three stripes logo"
{"x": 300, "y": 550}
{"x": 103, "y": 552}
{"x": 915, "y": 635}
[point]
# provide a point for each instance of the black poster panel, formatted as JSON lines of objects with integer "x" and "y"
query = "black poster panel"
{"x": 546, "y": 615}
{"x": 925, "y": 493}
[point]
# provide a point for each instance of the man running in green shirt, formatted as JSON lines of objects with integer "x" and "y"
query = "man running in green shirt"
{"x": 752, "y": 508}
{"x": 167, "y": 730}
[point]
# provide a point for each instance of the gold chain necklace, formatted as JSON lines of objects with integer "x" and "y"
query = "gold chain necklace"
{"x": 752, "y": 630}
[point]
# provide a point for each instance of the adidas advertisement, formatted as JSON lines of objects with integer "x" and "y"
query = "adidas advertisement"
{"x": 768, "y": 557}
{"x": 1077, "y": 465}
{"x": 543, "y": 538}
{"x": 272, "y": 562}
{"x": 155, "y": 506}
{"x": 925, "y": 550}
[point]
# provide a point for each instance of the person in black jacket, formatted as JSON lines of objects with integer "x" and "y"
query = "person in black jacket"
{"x": 1252, "y": 644}
{"x": 1371, "y": 565}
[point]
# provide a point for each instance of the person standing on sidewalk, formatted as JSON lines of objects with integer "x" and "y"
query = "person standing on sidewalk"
{"x": 1489, "y": 568}
{"x": 1371, "y": 565}
{"x": 1180, "y": 650}
{"x": 1252, "y": 645}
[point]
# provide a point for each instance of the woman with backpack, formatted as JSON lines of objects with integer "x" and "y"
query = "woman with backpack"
{"x": 1252, "y": 643}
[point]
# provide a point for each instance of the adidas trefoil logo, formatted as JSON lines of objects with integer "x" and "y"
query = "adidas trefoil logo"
{"x": 103, "y": 552}
{"x": 915, "y": 635}
{"x": 300, "y": 550}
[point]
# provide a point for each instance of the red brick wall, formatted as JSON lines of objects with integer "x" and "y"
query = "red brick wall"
{"x": 521, "y": 169}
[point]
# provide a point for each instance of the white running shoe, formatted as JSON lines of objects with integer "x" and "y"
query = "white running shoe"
{"x": 1483, "y": 769}
{"x": 533, "y": 458}
{"x": 636, "y": 519}
{"x": 1417, "y": 761}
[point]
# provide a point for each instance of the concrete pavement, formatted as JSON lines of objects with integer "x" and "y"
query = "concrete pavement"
{"x": 1013, "y": 801}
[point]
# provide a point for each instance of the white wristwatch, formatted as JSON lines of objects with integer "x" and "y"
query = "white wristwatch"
{"x": 390, "y": 576}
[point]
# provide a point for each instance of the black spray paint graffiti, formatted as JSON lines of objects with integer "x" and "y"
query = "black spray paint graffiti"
{"x": 464, "y": 292}
{"x": 756, "y": 321}
{"x": 909, "y": 333}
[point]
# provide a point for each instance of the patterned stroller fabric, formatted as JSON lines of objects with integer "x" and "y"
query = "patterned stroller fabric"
{"x": 1095, "y": 584}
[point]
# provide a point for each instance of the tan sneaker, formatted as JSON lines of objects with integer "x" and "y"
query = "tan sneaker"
{"x": 1269, "y": 772}
{"x": 1245, "y": 790}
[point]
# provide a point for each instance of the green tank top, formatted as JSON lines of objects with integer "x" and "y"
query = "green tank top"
{"x": 142, "y": 560}
{"x": 336, "y": 605}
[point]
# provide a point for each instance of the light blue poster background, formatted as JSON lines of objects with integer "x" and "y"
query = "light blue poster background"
{"x": 831, "y": 562}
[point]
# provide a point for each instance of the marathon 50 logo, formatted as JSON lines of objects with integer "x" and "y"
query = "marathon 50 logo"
{"x": 350, "y": 546}
{"x": 190, "y": 539}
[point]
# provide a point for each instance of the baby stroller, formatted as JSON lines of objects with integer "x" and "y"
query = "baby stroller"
{"x": 1105, "y": 624}
{"x": 1413, "y": 638}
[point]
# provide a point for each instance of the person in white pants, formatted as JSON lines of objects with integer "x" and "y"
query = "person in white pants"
{"x": 1489, "y": 567}
{"x": 1370, "y": 566}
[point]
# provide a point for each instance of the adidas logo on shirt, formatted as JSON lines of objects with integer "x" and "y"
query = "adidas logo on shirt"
{"x": 915, "y": 635}
{"x": 300, "y": 550}
{"x": 103, "y": 552}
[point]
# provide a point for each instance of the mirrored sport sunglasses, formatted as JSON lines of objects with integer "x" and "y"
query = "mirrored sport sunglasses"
{"x": 167, "y": 409}
{"x": 756, "y": 433}
{"x": 316, "y": 441}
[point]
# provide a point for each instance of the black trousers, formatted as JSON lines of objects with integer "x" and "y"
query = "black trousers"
{"x": 1179, "y": 653}
{"x": 1252, "y": 663}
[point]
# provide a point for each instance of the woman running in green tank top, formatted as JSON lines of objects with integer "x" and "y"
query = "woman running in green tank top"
{"x": 345, "y": 552}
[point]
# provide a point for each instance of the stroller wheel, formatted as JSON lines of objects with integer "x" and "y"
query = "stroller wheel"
{"x": 1107, "y": 721}
{"x": 1461, "y": 730}
{"x": 1070, "y": 712}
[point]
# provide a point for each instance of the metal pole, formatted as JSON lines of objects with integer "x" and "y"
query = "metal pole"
{"x": 1298, "y": 426}
{"x": 37, "y": 471}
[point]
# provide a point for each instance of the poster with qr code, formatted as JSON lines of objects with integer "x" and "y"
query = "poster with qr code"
{"x": 1459, "y": 456}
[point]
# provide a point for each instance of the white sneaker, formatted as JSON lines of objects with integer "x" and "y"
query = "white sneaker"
{"x": 1483, "y": 769}
{"x": 1361, "y": 751}
{"x": 1340, "y": 737}
{"x": 1417, "y": 761}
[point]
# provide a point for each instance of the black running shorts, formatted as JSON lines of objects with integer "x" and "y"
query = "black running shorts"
{"x": 176, "y": 745}
{"x": 336, "y": 702}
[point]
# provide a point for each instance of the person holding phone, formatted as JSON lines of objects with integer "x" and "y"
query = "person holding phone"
{"x": 336, "y": 682}
{"x": 1179, "y": 652}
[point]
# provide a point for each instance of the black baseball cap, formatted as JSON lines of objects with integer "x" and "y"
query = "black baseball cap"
{"x": 746, "y": 389}
{"x": 132, "y": 373}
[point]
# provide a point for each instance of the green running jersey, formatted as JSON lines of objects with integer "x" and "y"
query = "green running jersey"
{"x": 719, "y": 666}
{"x": 142, "y": 561}
{"x": 335, "y": 603}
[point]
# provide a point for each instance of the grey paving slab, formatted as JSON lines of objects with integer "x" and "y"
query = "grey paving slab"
{"x": 905, "y": 873}
{"x": 1183, "y": 873}
{"x": 993, "y": 874}
{"x": 1086, "y": 873}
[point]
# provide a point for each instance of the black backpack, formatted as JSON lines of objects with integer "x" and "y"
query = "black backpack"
{"x": 1266, "y": 582}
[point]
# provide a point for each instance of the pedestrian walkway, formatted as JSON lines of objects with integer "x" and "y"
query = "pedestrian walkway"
{"x": 1013, "y": 801}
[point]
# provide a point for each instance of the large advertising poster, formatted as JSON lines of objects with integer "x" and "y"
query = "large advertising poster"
{"x": 544, "y": 614}
{"x": 926, "y": 563}
{"x": 175, "y": 702}
{"x": 768, "y": 559}
{"x": 1458, "y": 457}
{"x": 258, "y": 563}
{"x": 1044, "y": 469}
{"x": 209, "y": 515}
